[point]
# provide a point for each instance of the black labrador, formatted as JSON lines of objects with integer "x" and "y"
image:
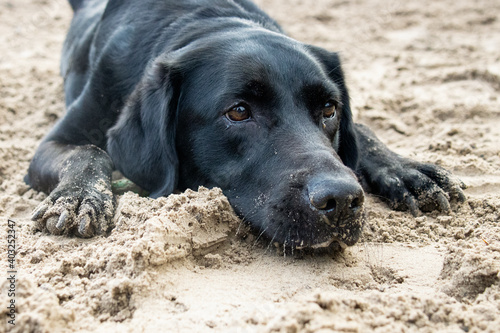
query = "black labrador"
{"x": 178, "y": 94}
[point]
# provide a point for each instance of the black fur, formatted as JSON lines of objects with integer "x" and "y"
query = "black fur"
{"x": 151, "y": 88}
{"x": 75, "y": 4}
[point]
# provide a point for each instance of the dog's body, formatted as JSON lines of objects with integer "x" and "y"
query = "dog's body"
{"x": 178, "y": 94}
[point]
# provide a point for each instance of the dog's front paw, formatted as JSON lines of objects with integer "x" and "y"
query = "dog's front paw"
{"x": 409, "y": 185}
{"x": 71, "y": 209}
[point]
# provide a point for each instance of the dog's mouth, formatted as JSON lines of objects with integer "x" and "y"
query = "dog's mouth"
{"x": 329, "y": 233}
{"x": 321, "y": 236}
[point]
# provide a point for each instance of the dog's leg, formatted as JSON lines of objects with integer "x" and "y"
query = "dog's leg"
{"x": 78, "y": 179}
{"x": 407, "y": 184}
{"x": 72, "y": 167}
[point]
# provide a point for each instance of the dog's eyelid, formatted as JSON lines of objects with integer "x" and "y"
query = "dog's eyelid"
{"x": 331, "y": 103}
{"x": 337, "y": 104}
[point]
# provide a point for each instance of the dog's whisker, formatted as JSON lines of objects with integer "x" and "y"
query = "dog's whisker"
{"x": 274, "y": 236}
{"x": 333, "y": 70}
{"x": 260, "y": 235}
{"x": 246, "y": 219}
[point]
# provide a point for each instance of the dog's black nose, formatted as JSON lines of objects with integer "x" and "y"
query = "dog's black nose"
{"x": 335, "y": 197}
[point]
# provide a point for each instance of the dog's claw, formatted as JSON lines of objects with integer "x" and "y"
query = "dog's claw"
{"x": 458, "y": 193}
{"x": 461, "y": 196}
{"x": 443, "y": 203}
{"x": 85, "y": 228}
{"x": 39, "y": 212}
{"x": 412, "y": 205}
{"x": 62, "y": 222}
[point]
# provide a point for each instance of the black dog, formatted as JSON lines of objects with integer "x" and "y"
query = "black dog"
{"x": 178, "y": 94}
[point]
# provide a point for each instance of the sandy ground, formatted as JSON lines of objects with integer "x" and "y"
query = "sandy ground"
{"x": 425, "y": 75}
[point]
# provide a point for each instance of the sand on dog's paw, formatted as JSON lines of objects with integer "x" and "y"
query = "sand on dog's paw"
{"x": 74, "y": 210}
{"x": 420, "y": 187}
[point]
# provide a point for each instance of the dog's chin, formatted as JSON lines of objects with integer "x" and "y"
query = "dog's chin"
{"x": 333, "y": 242}
{"x": 315, "y": 231}
{"x": 318, "y": 235}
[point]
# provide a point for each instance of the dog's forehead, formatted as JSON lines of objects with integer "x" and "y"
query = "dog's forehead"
{"x": 276, "y": 58}
{"x": 269, "y": 62}
{"x": 258, "y": 66}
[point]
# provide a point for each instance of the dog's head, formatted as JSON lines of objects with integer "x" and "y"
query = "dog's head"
{"x": 263, "y": 117}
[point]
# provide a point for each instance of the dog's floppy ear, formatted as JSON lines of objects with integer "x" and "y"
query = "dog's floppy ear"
{"x": 142, "y": 142}
{"x": 348, "y": 146}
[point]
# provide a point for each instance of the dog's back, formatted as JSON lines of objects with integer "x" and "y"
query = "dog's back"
{"x": 125, "y": 34}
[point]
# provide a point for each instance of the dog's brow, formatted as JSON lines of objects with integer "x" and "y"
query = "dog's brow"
{"x": 253, "y": 89}
{"x": 321, "y": 91}
{"x": 257, "y": 88}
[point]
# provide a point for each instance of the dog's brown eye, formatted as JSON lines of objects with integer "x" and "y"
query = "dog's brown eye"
{"x": 238, "y": 113}
{"x": 330, "y": 109}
